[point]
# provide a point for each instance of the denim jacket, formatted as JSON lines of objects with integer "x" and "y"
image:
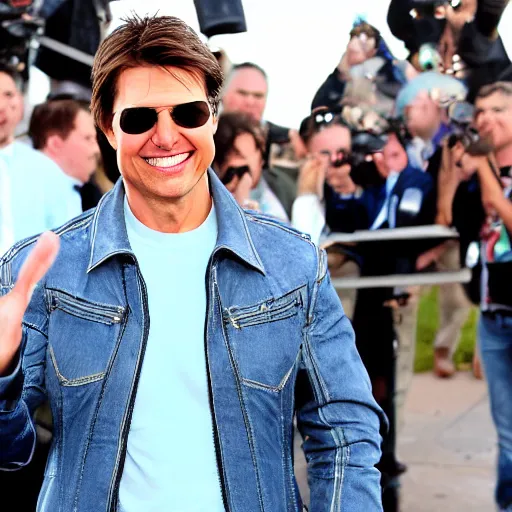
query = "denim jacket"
{"x": 277, "y": 344}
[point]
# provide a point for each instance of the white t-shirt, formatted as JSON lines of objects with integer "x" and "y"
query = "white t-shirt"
{"x": 170, "y": 462}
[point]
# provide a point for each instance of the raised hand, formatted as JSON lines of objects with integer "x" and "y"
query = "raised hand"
{"x": 312, "y": 176}
{"x": 14, "y": 304}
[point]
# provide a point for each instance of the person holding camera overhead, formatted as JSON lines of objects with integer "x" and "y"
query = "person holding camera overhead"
{"x": 456, "y": 37}
{"x": 491, "y": 175}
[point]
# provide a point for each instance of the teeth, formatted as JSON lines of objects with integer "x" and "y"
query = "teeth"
{"x": 168, "y": 161}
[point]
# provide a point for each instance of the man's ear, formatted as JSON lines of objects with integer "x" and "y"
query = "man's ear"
{"x": 54, "y": 143}
{"x": 109, "y": 132}
{"x": 215, "y": 123}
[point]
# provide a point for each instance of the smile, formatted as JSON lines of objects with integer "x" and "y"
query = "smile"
{"x": 168, "y": 161}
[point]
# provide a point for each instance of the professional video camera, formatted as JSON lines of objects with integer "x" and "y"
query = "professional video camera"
{"x": 17, "y": 32}
{"x": 461, "y": 116}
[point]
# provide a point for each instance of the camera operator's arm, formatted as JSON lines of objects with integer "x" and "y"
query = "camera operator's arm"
{"x": 448, "y": 180}
{"x": 400, "y": 21}
{"x": 308, "y": 210}
{"x": 488, "y": 16}
{"x": 493, "y": 198}
{"x": 331, "y": 91}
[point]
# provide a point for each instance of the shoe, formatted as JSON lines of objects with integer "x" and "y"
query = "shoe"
{"x": 443, "y": 364}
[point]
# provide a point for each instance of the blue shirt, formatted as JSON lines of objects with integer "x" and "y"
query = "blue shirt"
{"x": 34, "y": 194}
{"x": 170, "y": 463}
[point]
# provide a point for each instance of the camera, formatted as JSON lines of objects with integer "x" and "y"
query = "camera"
{"x": 461, "y": 114}
{"x": 427, "y": 8}
{"x": 365, "y": 143}
{"x": 17, "y": 31}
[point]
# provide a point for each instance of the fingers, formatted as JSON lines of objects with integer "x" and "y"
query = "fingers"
{"x": 37, "y": 264}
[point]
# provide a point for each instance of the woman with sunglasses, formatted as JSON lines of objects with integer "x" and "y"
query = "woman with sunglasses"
{"x": 176, "y": 336}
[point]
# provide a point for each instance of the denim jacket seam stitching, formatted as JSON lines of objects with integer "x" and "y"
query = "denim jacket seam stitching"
{"x": 60, "y": 443}
{"x": 34, "y": 327}
{"x": 266, "y": 320}
{"x": 111, "y": 498}
{"x": 295, "y": 291}
{"x": 340, "y": 462}
{"x": 288, "y": 474}
{"x": 249, "y": 238}
{"x": 94, "y": 230}
{"x": 22, "y": 244}
{"x": 85, "y": 316}
{"x": 248, "y": 427}
{"x": 97, "y": 408}
{"x": 265, "y": 387}
{"x": 216, "y": 297}
{"x": 268, "y": 222}
{"x": 253, "y": 449}
{"x": 110, "y": 308}
{"x": 345, "y": 459}
{"x": 245, "y": 414}
{"x": 64, "y": 381}
{"x": 316, "y": 373}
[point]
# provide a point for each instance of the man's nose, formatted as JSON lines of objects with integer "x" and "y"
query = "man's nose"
{"x": 483, "y": 120}
{"x": 166, "y": 133}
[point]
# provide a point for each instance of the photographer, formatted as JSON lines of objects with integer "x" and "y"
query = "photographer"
{"x": 366, "y": 55}
{"x": 456, "y": 37}
{"x": 369, "y": 185}
{"x": 494, "y": 123}
{"x": 246, "y": 91}
{"x": 239, "y": 162}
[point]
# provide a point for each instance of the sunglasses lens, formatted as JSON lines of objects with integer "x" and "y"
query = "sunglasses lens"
{"x": 138, "y": 120}
{"x": 191, "y": 115}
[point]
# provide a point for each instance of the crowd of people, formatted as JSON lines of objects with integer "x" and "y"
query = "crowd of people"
{"x": 388, "y": 144}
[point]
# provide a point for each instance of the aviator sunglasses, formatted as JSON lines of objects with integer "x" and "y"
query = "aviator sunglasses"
{"x": 137, "y": 120}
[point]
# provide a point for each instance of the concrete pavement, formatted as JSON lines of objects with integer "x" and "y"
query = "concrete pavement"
{"x": 449, "y": 444}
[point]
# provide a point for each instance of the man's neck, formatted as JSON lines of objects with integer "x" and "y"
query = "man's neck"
{"x": 504, "y": 156}
{"x": 169, "y": 215}
{"x": 61, "y": 166}
{"x": 7, "y": 141}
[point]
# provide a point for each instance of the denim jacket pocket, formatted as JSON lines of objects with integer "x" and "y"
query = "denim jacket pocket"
{"x": 82, "y": 336}
{"x": 265, "y": 339}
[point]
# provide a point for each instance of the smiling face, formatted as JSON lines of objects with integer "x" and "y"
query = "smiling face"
{"x": 168, "y": 163}
{"x": 493, "y": 119}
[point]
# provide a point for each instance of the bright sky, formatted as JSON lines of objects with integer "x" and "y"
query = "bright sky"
{"x": 298, "y": 43}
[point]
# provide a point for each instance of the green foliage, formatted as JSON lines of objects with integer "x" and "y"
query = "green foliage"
{"x": 428, "y": 321}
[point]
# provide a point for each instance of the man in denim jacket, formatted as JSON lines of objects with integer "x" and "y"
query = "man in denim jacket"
{"x": 176, "y": 336}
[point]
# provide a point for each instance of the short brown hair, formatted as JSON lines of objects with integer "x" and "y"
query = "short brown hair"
{"x": 230, "y": 126}
{"x": 54, "y": 117}
{"x": 154, "y": 41}
{"x": 369, "y": 30}
{"x": 489, "y": 89}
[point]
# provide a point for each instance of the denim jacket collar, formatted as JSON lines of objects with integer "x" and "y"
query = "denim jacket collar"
{"x": 109, "y": 236}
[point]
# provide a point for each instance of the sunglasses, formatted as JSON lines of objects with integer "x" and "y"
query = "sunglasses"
{"x": 232, "y": 172}
{"x": 324, "y": 115}
{"x": 137, "y": 120}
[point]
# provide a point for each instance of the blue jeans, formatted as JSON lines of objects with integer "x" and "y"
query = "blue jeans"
{"x": 495, "y": 338}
